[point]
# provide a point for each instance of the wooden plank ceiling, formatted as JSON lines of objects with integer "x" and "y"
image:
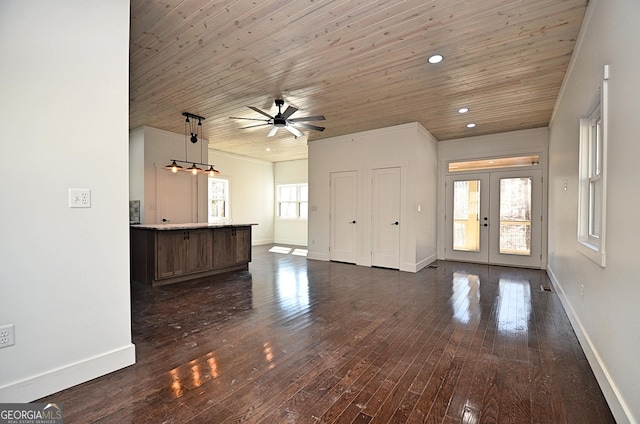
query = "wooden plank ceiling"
{"x": 362, "y": 64}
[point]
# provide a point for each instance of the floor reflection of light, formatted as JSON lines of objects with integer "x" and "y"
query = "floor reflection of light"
{"x": 268, "y": 354}
{"x": 293, "y": 287}
{"x": 465, "y": 297}
{"x": 191, "y": 374}
{"x": 176, "y": 386}
{"x": 514, "y": 308}
{"x": 213, "y": 365}
{"x": 470, "y": 413}
{"x": 195, "y": 373}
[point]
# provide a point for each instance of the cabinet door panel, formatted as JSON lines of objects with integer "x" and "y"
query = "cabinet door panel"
{"x": 223, "y": 247}
{"x": 198, "y": 253}
{"x": 170, "y": 253}
{"x": 243, "y": 245}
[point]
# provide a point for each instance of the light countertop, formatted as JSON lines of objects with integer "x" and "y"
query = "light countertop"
{"x": 189, "y": 226}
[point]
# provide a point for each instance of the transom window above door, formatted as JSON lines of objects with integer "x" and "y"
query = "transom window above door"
{"x": 494, "y": 163}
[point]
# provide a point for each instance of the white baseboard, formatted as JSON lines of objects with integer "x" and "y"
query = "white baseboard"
{"x": 291, "y": 242}
{"x": 426, "y": 262}
{"x": 71, "y": 375}
{"x": 619, "y": 408}
{"x": 317, "y": 256}
{"x": 255, "y": 242}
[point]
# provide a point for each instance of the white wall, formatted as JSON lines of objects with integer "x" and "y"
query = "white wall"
{"x": 287, "y": 231}
{"x": 606, "y": 320}
{"x": 534, "y": 141}
{"x": 251, "y": 192}
{"x": 409, "y": 147}
{"x": 64, "y": 118}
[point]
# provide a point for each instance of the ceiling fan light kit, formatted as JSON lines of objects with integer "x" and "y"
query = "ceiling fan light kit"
{"x": 192, "y": 131}
{"x": 283, "y": 120}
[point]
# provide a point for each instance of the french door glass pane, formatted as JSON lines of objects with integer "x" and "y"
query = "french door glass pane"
{"x": 466, "y": 215}
{"x": 515, "y": 216}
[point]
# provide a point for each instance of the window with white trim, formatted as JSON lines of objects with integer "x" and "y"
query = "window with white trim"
{"x": 218, "y": 199}
{"x": 293, "y": 201}
{"x": 592, "y": 178}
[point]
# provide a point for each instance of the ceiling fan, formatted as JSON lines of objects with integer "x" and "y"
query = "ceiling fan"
{"x": 283, "y": 120}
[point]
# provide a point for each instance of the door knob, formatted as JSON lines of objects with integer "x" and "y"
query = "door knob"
{"x": 485, "y": 225}
{"x": 395, "y": 223}
{"x": 353, "y": 222}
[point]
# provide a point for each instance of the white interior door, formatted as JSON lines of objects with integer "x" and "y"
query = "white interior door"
{"x": 176, "y": 196}
{"x": 385, "y": 218}
{"x": 343, "y": 223}
{"x": 495, "y": 217}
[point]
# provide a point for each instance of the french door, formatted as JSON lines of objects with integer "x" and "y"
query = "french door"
{"x": 495, "y": 217}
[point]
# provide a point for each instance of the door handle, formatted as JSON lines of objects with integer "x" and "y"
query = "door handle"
{"x": 485, "y": 225}
{"x": 395, "y": 223}
{"x": 352, "y": 222}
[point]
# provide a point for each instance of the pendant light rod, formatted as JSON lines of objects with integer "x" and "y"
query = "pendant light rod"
{"x": 191, "y": 115}
{"x": 191, "y": 162}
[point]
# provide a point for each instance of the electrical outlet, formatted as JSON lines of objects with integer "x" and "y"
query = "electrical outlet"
{"x": 7, "y": 336}
{"x": 79, "y": 198}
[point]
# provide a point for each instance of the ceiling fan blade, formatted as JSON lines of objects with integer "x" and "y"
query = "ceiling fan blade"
{"x": 308, "y": 118}
{"x": 259, "y": 111}
{"x": 272, "y": 132}
{"x": 254, "y": 126}
{"x": 249, "y": 119}
{"x": 294, "y": 131}
{"x": 290, "y": 111}
{"x": 307, "y": 126}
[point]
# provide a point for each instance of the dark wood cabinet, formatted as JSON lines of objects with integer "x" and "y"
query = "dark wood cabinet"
{"x": 182, "y": 252}
{"x": 198, "y": 250}
{"x": 164, "y": 256}
{"x": 231, "y": 246}
{"x": 170, "y": 253}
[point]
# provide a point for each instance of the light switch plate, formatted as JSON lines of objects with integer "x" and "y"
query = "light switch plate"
{"x": 79, "y": 198}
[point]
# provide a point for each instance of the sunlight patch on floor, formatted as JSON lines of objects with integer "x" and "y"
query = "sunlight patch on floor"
{"x": 280, "y": 249}
{"x": 299, "y": 252}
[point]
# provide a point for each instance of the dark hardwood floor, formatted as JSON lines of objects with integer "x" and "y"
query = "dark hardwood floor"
{"x": 300, "y": 341}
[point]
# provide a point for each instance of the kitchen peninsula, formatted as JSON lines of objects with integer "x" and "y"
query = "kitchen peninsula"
{"x": 171, "y": 253}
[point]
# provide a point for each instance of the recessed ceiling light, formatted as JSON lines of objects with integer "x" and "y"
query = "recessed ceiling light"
{"x": 436, "y": 58}
{"x": 268, "y": 149}
{"x": 471, "y": 125}
{"x": 463, "y": 110}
